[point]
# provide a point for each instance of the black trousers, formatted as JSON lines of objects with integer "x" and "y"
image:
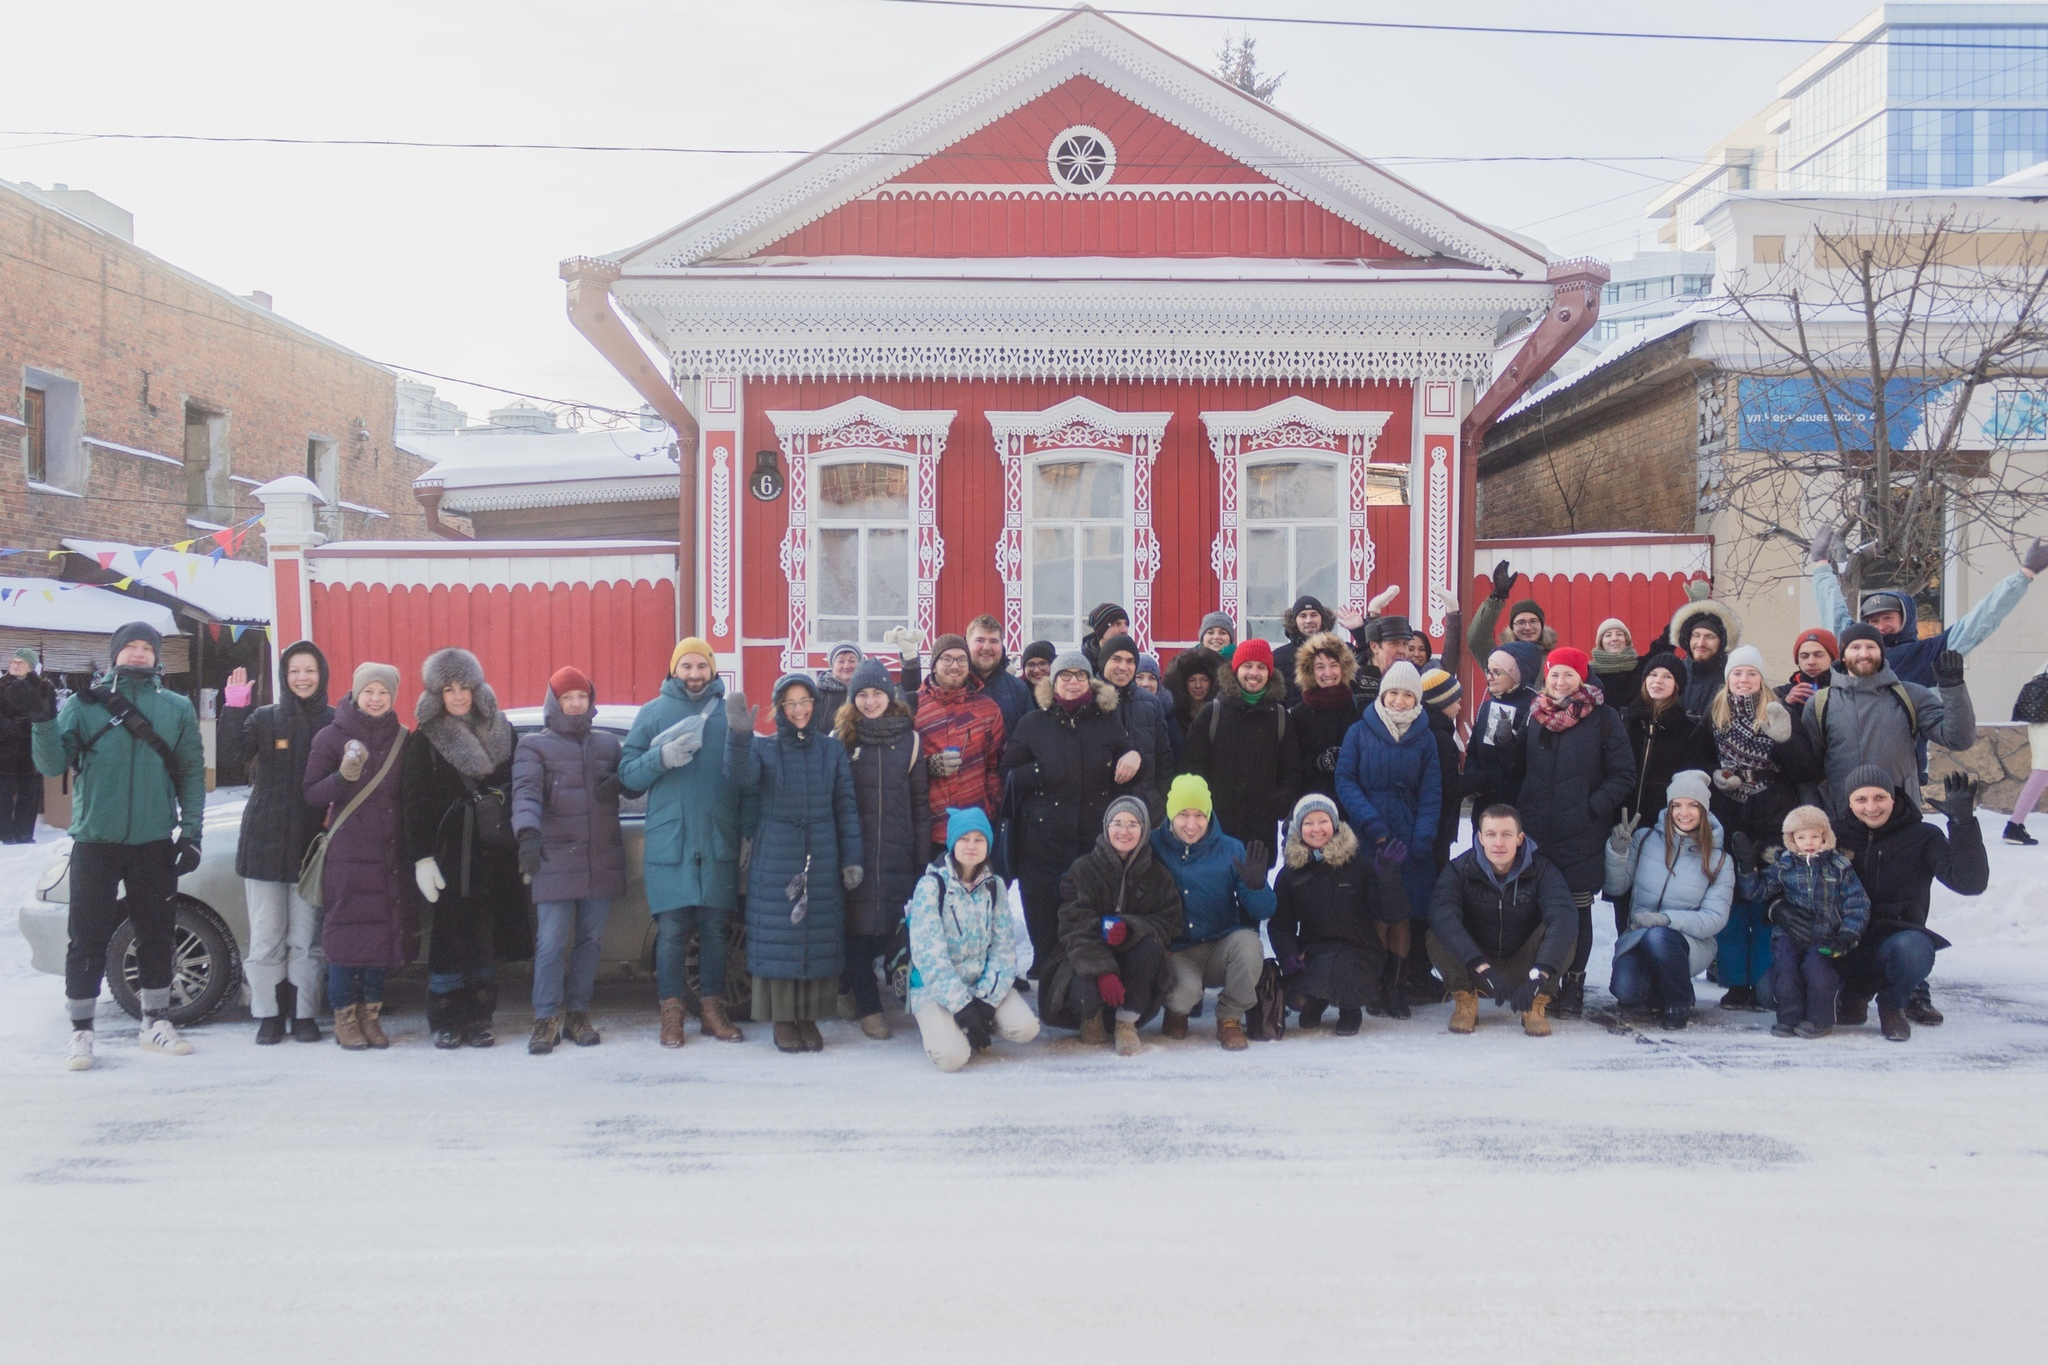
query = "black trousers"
{"x": 96, "y": 870}
{"x": 858, "y": 976}
{"x": 21, "y": 798}
{"x": 1138, "y": 963}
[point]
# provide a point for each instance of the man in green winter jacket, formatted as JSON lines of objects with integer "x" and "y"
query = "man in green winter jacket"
{"x": 141, "y": 780}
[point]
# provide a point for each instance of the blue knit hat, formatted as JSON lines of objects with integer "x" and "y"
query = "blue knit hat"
{"x": 1528, "y": 657}
{"x": 870, "y": 673}
{"x": 972, "y": 820}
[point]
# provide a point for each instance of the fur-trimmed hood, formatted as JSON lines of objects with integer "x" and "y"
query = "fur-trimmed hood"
{"x": 1339, "y": 851}
{"x": 1731, "y": 624}
{"x": 477, "y": 744}
{"x": 1105, "y": 695}
{"x": 1323, "y": 642}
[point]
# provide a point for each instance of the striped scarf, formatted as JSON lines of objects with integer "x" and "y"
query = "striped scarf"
{"x": 1559, "y": 716}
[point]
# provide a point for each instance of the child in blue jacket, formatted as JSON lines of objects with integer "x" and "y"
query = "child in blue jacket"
{"x": 1818, "y": 910}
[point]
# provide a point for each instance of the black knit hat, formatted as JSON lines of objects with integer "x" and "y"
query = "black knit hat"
{"x": 130, "y": 633}
{"x": 1862, "y": 630}
{"x": 1117, "y": 644}
{"x": 1104, "y": 614}
{"x": 1040, "y": 649}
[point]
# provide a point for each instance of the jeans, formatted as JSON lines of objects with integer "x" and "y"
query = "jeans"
{"x": 1232, "y": 962}
{"x": 1900, "y": 964}
{"x": 568, "y": 929}
{"x": 96, "y": 870}
{"x": 446, "y": 983}
{"x": 1656, "y": 972}
{"x": 1137, "y": 965}
{"x": 283, "y": 933}
{"x": 672, "y": 938}
{"x": 20, "y": 798}
{"x": 354, "y": 986}
{"x": 1804, "y": 984}
{"x": 859, "y": 974}
{"x": 947, "y": 1045}
{"x": 1745, "y": 945}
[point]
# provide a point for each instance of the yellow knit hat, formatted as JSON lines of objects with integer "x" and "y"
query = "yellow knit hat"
{"x": 1188, "y": 792}
{"x": 693, "y": 645}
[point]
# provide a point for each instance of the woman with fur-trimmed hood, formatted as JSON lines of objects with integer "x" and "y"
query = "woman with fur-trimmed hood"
{"x": 1192, "y": 682}
{"x": 1324, "y": 669}
{"x": 1702, "y": 633}
{"x": 1070, "y": 757}
{"x": 1326, "y": 924}
{"x": 456, "y": 789}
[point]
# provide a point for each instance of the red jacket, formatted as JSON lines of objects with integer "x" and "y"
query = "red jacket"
{"x": 970, "y": 721}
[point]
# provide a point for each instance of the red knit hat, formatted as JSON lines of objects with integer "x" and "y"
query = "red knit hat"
{"x": 1576, "y": 660}
{"x": 569, "y": 678}
{"x": 1252, "y": 651}
{"x": 1825, "y": 637}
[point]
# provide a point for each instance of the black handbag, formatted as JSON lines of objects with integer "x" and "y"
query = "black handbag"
{"x": 490, "y": 813}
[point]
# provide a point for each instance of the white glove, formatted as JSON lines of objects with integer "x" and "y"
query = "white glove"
{"x": 1442, "y": 600}
{"x": 353, "y": 757}
{"x": 1777, "y": 723}
{"x": 850, "y": 875}
{"x": 907, "y": 641}
{"x": 1379, "y": 603}
{"x": 1726, "y": 781}
{"x": 677, "y": 753}
{"x": 427, "y": 873}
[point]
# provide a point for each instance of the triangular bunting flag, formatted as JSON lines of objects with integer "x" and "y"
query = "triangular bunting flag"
{"x": 49, "y": 596}
{"x": 184, "y": 545}
{"x": 216, "y": 556}
{"x": 213, "y": 630}
{"x": 123, "y": 584}
{"x": 235, "y": 634}
{"x": 106, "y": 559}
{"x": 142, "y": 557}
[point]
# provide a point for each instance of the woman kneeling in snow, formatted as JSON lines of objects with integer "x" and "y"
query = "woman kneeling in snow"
{"x": 1680, "y": 881}
{"x": 963, "y": 951}
{"x": 1327, "y": 925}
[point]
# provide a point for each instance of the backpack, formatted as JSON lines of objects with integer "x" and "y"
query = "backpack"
{"x": 1819, "y": 707}
{"x": 2032, "y": 705}
{"x": 896, "y": 962}
{"x": 1266, "y": 1021}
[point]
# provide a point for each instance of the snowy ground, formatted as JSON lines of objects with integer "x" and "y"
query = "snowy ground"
{"x": 1710, "y": 1195}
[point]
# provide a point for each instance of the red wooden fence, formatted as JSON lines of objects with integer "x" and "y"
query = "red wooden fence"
{"x": 1574, "y": 606}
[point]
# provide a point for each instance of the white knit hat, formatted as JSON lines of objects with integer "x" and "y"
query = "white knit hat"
{"x": 1745, "y": 656}
{"x": 1402, "y": 677}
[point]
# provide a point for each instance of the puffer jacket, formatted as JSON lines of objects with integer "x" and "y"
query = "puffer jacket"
{"x": 890, "y": 786}
{"x": 370, "y": 911}
{"x": 1497, "y": 753}
{"x": 1898, "y": 864}
{"x": 809, "y": 829}
{"x": 1664, "y": 744}
{"x": 1102, "y": 883}
{"x": 1062, "y": 767}
{"x": 1812, "y": 896}
{"x": 1326, "y": 900}
{"x": 1392, "y": 791}
{"x": 1864, "y": 721}
{"x": 1251, "y": 761}
{"x": 1678, "y": 887}
{"x": 1215, "y": 899}
{"x": 1450, "y": 761}
{"x": 1480, "y": 917}
{"x": 696, "y": 815}
{"x": 22, "y": 702}
{"x": 963, "y": 943}
{"x": 968, "y": 719}
{"x": 125, "y": 794}
{"x": 1144, "y": 717}
{"x": 1011, "y": 693}
{"x": 1573, "y": 782}
{"x": 267, "y": 746}
{"x": 555, "y": 772}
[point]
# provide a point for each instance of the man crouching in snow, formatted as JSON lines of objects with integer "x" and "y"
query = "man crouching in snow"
{"x": 141, "y": 776}
{"x": 1502, "y": 921}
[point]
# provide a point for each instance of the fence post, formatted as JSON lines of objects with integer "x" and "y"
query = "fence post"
{"x": 289, "y": 531}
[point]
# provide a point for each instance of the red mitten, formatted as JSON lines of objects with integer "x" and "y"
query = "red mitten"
{"x": 1110, "y": 987}
{"x": 1114, "y": 932}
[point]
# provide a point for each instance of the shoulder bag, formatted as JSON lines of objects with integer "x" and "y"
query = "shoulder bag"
{"x": 315, "y": 864}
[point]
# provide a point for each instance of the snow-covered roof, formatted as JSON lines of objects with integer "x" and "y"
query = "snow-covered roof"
{"x": 1620, "y": 349}
{"x": 49, "y": 604}
{"x": 1165, "y": 269}
{"x": 227, "y": 590}
{"x": 514, "y": 470}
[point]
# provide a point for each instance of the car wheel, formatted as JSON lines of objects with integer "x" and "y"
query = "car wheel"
{"x": 739, "y": 985}
{"x": 206, "y": 967}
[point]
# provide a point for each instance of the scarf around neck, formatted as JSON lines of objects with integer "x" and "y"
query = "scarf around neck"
{"x": 1327, "y": 698}
{"x": 1397, "y": 722}
{"x": 1559, "y": 716}
{"x": 1745, "y": 750}
{"x": 1614, "y": 660}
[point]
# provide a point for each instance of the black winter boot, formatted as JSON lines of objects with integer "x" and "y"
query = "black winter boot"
{"x": 445, "y": 1017}
{"x": 1571, "y": 997}
{"x": 270, "y": 1030}
{"x": 1920, "y": 1006}
{"x": 483, "y": 1003}
{"x": 1852, "y": 1009}
{"x": 1395, "y": 988}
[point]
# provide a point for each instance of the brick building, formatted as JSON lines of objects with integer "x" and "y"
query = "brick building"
{"x": 149, "y": 402}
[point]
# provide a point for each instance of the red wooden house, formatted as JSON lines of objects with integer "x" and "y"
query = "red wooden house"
{"x": 1081, "y": 324}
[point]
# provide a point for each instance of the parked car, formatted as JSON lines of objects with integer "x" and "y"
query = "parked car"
{"x": 213, "y": 919}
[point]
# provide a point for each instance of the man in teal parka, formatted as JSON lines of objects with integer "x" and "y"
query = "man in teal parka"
{"x": 696, "y": 819}
{"x": 141, "y": 780}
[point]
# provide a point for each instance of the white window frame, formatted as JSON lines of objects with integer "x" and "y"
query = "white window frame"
{"x": 907, "y": 524}
{"x": 1032, "y": 523}
{"x": 1335, "y": 522}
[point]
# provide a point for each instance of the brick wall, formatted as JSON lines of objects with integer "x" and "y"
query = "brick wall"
{"x": 1627, "y": 469}
{"x": 141, "y": 340}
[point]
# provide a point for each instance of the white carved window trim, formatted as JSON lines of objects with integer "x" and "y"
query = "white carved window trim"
{"x": 1335, "y": 519}
{"x": 1125, "y": 472}
{"x": 908, "y": 523}
{"x": 1294, "y": 428}
{"x": 1078, "y": 426}
{"x": 860, "y": 427}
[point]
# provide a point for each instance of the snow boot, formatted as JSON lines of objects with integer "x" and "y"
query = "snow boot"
{"x": 1739, "y": 998}
{"x": 1093, "y": 1033}
{"x": 348, "y": 1031}
{"x": 270, "y": 1030}
{"x": 848, "y": 1010}
{"x": 787, "y": 1038}
{"x": 1536, "y": 1023}
{"x": 1570, "y": 1002}
{"x": 578, "y": 1029}
{"x": 483, "y": 1003}
{"x": 1310, "y": 1016}
{"x": 79, "y": 1056}
{"x": 305, "y": 1029}
{"x": 444, "y": 1017}
{"x": 546, "y": 1033}
{"x": 716, "y": 1022}
{"x": 875, "y": 1026}
{"x": 1676, "y": 1016}
{"x": 1897, "y": 1028}
{"x": 1230, "y": 1033}
{"x": 1808, "y": 1029}
{"x": 1348, "y": 1022}
{"x": 807, "y": 1031}
{"x": 1852, "y": 1010}
{"x": 672, "y": 1022}
{"x": 160, "y": 1035}
{"x": 1394, "y": 988}
{"x": 1173, "y": 1025}
{"x": 1786, "y": 1030}
{"x": 1127, "y": 1044}
{"x": 1920, "y": 1006}
{"x": 1464, "y": 1011}
{"x": 373, "y": 1031}
{"x": 2016, "y": 833}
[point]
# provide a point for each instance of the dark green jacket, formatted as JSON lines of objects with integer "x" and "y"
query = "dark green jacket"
{"x": 125, "y": 795}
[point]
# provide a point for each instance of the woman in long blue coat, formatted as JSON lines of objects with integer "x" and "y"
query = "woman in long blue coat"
{"x": 806, "y": 856}
{"x": 1391, "y": 788}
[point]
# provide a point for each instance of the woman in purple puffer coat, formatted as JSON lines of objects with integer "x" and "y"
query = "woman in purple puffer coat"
{"x": 370, "y": 912}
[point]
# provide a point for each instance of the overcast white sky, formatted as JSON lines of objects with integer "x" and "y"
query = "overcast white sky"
{"x": 445, "y": 261}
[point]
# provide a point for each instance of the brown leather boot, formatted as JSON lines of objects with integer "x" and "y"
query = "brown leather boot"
{"x": 788, "y": 1038}
{"x": 1173, "y": 1026}
{"x": 366, "y": 1017}
{"x": 1127, "y": 1043}
{"x": 1464, "y": 1011}
{"x": 717, "y": 1023}
{"x": 671, "y": 1023}
{"x": 348, "y": 1031}
{"x": 1093, "y": 1032}
{"x": 1536, "y": 1023}
{"x": 578, "y": 1029}
{"x": 1230, "y": 1033}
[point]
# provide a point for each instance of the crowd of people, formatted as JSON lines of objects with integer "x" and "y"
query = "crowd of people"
{"x": 1273, "y": 824}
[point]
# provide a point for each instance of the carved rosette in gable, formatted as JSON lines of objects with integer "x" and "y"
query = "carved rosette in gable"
{"x": 856, "y": 426}
{"x": 1084, "y": 426}
{"x": 1294, "y": 426}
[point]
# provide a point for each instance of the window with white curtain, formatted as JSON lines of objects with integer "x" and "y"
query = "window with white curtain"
{"x": 861, "y": 571}
{"x": 1292, "y": 540}
{"x": 1078, "y": 542}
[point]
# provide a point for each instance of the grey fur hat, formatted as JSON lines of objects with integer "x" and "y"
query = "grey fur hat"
{"x": 452, "y": 665}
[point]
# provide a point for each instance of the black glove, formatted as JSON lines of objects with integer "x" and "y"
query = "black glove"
{"x": 1326, "y": 761}
{"x": 1747, "y": 858}
{"x": 1535, "y": 984}
{"x": 1958, "y": 796}
{"x": 1948, "y": 669}
{"x": 975, "y": 1019}
{"x": 186, "y": 858}
{"x": 529, "y": 853}
{"x": 2036, "y": 558}
{"x": 1492, "y": 983}
{"x": 1843, "y": 944}
{"x": 609, "y": 787}
{"x": 1503, "y": 580}
{"x": 1257, "y": 861}
{"x": 46, "y": 701}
